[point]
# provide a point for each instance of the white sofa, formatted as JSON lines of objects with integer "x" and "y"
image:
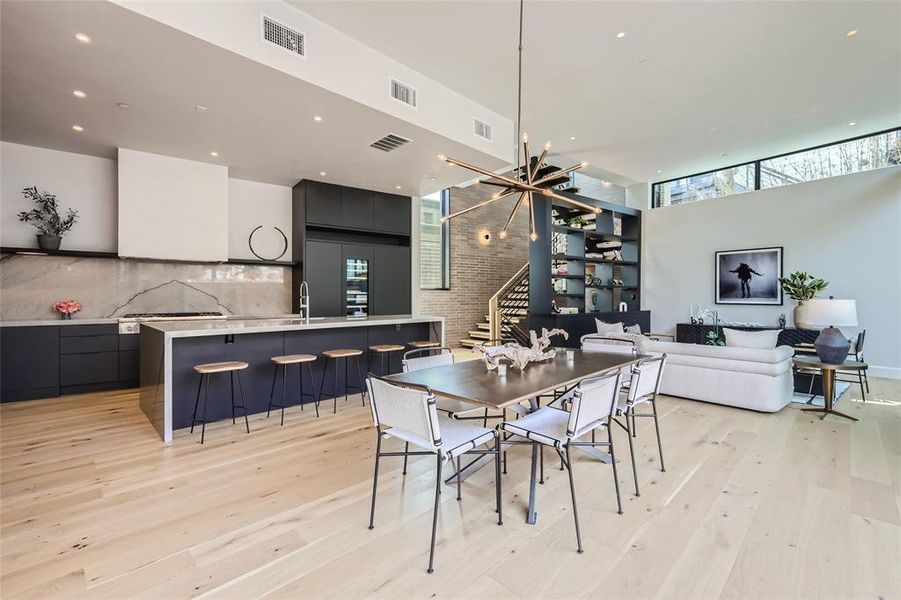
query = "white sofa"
{"x": 743, "y": 377}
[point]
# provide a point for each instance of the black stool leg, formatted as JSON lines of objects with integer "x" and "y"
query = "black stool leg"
{"x": 300, "y": 381}
{"x": 284, "y": 391}
{"x": 315, "y": 399}
{"x": 206, "y": 402}
{"x": 232, "y": 378}
{"x": 243, "y": 402}
{"x": 360, "y": 381}
{"x": 322, "y": 381}
{"x": 196, "y": 402}
{"x": 345, "y": 378}
{"x": 272, "y": 390}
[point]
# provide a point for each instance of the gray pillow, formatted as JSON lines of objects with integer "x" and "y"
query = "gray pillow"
{"x": 636, "y": 329}
{"x": 609, "y": 328}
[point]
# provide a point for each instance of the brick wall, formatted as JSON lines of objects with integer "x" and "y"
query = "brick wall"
{"x": 478, "y": 268}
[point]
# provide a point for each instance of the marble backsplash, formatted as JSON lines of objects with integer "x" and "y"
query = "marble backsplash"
{"x": 29, "y": 285}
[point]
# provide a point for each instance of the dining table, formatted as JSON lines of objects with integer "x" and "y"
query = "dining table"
{"x": 471, "y": 381}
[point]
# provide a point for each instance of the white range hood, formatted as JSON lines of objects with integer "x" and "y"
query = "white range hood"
{"x": 171, "y": 208}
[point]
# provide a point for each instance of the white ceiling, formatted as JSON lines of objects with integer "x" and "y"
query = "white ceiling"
{"x": 259, "y": 120}
{"x": 689, "y": 83}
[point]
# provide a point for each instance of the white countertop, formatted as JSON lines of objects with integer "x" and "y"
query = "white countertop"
{"x": 174, "y": 329}
{"x": 75, "y": 321}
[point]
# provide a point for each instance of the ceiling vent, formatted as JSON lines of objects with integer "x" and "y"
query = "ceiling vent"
{"x": 482, "y": 129}
{"x": 283, "y": 36}
{"x": 389, "y": 142}
{"x": 403, "y": 93}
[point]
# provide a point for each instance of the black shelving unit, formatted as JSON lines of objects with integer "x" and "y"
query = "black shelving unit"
{"x": 60, "y": 252}
{"x": 573, "y": 244}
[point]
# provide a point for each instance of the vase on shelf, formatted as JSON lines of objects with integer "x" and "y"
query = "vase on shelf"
{"x": 799, "y": 316}
{"x": 67, "y": 316}
{"x": 49, "y": 242}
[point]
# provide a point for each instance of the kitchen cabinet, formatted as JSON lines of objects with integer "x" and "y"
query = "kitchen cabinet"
{"x": 356, "y": 209}
{"x": 323, "y": 272}
{"x": 323, "y": 203}
{"x": 391, "y": 213}
{"x": 29, "y": 362}
{"x": 391, "y": 286}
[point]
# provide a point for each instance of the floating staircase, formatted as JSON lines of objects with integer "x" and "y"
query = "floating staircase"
{"x": 508, "y": 309}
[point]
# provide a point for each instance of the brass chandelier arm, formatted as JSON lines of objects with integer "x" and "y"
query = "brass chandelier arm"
{"x": 497, "y": 183}
{"x": 557, "y": 174}
{"x": 528, "y": 165}
{"x": 460, "y": 163}
{"x": 473, "y": 207}
{"x": 582, "y": 205}
{"x": 533, "y": 235}
{"x": 513, "y": 213}
{"x": 541, "y": 158}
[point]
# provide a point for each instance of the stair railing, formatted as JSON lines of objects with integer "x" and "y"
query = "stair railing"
{"x": 506, "y": 296}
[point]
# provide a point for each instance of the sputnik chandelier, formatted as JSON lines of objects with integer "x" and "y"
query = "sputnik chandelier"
{"x": 535, "y": 177}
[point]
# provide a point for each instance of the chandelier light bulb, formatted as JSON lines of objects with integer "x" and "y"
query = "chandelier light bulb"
{"x": 547, "y": 145}
{"x": 503, "y": 234}
{"x": 525, "y": 137}
{"x": 584, "y": 163}
{"x": 443, "y": 220}
{"x": 442, "y": 158}
{"x": 533, "y": 237}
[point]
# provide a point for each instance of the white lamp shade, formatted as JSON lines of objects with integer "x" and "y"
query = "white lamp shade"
{"x": 822, "y": 312}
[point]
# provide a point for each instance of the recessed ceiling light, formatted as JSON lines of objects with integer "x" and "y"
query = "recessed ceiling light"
{"x": 83, "y": 38}
{"x": 322, "y": 173}
{"x": 620, "y": 35}
{"x": 77, "y": 128}
{"x": 79, "y": 94}
{"x": 851, "y": 33}
{"x": 317, "y": 118}
{"x": 659, "y": 171}
{"x": 214, "y": 154}
{"x": 432, "y": 178}
{"x": 572, "y": 137}
{"x": 642, "y": 62}
{"x": 397, "y": 187}
{"x": 852, "y": 124}
{"x": 123, "y": 105}
{"x": 724, "y": 154}
{"x": 605, "y": 182}
{"x": 200, "y": 108}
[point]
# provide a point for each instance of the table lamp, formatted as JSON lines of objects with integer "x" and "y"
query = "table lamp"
{"x": 832, "y": 347}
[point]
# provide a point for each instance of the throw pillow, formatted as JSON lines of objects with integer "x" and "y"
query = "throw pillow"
{"x": 609, "y": 328}
{"x": 763, "y": 340}
{"x": 636, "y": 329}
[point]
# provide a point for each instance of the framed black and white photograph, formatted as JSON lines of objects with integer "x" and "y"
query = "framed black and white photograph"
{"x": 749, "y": 276}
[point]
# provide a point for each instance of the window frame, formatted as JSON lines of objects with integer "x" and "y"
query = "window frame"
{"x": 655, "y": 185}
{"x": 444, "y": 228}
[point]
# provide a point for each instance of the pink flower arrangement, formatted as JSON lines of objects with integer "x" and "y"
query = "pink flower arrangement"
{"x": 67, "y": 307}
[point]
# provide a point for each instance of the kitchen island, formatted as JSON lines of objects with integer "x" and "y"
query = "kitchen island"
{"x": 169, "y": 351}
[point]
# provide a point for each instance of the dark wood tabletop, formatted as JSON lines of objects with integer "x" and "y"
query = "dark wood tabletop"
{"x": 815, "y": 363}
{"x": 470, "y": 381}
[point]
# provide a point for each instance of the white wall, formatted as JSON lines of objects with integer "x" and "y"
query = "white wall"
{"x": 171, "y": 208}
{"x": 86, "y": 183}
{"x": 251, "y": 204}
{"x": 845, "y": 229}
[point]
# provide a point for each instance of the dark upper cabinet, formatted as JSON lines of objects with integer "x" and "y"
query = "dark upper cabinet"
{"x": 356, "y": 208}
{"x": 323, "y": 271}
{"x": 324, "y": 204}
{"x": 29, "y": 362}
{"x": 391, "y": 213}
{"x": 390, "y": 278}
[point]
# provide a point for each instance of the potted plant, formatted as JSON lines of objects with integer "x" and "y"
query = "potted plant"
{"x": 46, "y": 218}
{"x": 800, "y": 287}
{"x": 67, "y": 308}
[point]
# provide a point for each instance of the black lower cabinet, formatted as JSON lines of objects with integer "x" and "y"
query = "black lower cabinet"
{"x": 29, "y": 363}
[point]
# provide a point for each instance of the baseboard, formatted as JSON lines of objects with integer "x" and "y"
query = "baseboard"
{"x": 887, "y": 372}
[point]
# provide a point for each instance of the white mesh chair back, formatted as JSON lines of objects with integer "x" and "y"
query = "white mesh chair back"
{"x": 646, "y": 376}
{"x": 428, "y": 360}
{"x": 593, "y": 402}
{"x": 409, "y": 409}
{"x": 599, "y": 343}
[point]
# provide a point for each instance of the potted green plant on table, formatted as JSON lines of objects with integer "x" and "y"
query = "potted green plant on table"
{"x": 46, "y": 218}
{"x": 800, "y": 287}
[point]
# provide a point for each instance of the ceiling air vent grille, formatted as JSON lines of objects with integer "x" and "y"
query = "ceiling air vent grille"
{"x": 482, "y": 129}
{"x": 283, "y": 36}
{"x": 389, "y": 142}
{"x": 403, "y": 93}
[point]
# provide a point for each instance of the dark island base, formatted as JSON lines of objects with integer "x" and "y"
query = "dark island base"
{"x": 257, "y": 349}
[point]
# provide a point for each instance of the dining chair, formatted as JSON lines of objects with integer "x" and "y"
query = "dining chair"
{"x": 646, "y": 376}
{"x": 858, "y": 376}
{"x": 409, "y": 413}
{"x": 592, "y": 407}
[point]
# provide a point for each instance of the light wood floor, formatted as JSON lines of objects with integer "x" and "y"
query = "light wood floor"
{"x": 751, "y": 506}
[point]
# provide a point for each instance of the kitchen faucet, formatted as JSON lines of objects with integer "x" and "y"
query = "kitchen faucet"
{"x": 304, "y": 308}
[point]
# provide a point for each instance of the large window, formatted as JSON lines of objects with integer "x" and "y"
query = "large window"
{"x": 850, "y": 156}
{"x": 434, "y": 242}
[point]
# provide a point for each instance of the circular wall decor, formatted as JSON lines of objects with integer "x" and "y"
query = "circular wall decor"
{"x": 250, "y": 243}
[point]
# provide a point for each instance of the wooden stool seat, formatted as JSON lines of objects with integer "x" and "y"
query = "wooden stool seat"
{"x": 222, "y": 367}
{"x": 424, "y": 344}
{"x": 292, "y": 359}
{"x": 342, "y": 353}
{"x": 386, "y": 348}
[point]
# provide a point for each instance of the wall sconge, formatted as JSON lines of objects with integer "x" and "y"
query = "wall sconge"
{"x": 484, "y": 237}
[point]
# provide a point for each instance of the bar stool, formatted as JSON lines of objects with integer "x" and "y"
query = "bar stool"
{"x": 385, "y": 351}
{"x": 335, "y": 356}
{"x": 205, "y": 370}
{"x": 423, "y": 344}
{"x": 283, "y": 362}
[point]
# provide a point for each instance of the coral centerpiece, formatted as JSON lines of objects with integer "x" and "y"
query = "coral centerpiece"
{"x": 520, "y": 356}
{"x": 67, "y": 308}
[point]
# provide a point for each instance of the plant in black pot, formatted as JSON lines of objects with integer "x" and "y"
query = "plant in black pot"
{"x": 46, "y": 218}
